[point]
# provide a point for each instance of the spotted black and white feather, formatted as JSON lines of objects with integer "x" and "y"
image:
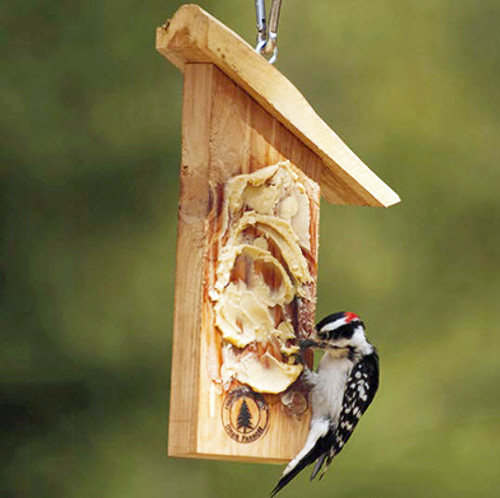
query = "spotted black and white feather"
{"x": 362, "y": 385}
{"x": 341, "y": 391}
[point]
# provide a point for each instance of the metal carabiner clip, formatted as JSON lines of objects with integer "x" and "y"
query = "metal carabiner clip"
{"x": 267, "y": 38}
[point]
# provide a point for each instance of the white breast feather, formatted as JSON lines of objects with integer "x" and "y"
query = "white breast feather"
{"x": 329, "y": 387}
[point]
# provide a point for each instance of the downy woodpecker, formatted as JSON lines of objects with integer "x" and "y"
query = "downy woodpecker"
{"x": 341, "y": 391}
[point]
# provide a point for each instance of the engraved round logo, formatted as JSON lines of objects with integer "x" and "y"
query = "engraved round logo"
{"x": 245, "y": 415}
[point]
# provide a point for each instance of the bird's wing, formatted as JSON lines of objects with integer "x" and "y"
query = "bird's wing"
{"x": 362, "y": 385}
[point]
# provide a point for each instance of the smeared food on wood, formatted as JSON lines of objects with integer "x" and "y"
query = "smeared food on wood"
{"x": 264, "y": 287}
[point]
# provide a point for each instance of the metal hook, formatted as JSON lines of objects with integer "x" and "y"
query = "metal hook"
{"x": 267, "y": 38}
{"x": 260, "y": 16}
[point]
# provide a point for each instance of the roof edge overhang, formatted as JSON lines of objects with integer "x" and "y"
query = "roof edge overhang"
{"x": 194, "y": 36}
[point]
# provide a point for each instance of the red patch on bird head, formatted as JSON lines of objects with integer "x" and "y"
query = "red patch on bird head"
{"x": 349, "y": 317}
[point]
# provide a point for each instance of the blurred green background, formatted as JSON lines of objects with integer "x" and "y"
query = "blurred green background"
{"x": 90, "y": 152}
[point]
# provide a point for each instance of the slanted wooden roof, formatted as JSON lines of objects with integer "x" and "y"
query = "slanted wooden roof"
{"x": 194, "y": 36}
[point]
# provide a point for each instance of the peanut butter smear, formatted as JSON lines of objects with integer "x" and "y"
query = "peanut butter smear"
{"x": 261, "y": 274}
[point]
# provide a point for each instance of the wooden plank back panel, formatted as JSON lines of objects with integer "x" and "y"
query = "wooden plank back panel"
{"x": 232, "y": 134}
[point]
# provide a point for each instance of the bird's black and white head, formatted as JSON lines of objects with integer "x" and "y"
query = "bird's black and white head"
{"x": 341, "y": 331}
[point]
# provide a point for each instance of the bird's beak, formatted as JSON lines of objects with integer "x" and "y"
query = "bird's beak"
{"x": 310, "y": 343}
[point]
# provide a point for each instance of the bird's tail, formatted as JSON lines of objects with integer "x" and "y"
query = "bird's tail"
{"x": 316, "y": 448}
{"x": 301, "y": 465}
{"x": 289, "y": 476}
{"x": 321, "y": 465}
{"x": 317, "y": 467}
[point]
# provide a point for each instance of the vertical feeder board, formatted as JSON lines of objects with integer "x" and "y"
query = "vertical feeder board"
{"x": 255, "y": 157}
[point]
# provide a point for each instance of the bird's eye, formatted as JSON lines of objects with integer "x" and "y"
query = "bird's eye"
{"x": 322, "y": 335}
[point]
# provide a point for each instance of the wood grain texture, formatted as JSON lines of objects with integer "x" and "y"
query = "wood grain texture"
{"x": 193, "y": 35}
{"x": 190, "y": 261}
{"x": 225, "y": 133}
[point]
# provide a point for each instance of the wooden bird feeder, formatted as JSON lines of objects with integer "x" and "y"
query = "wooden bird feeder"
{"x": 250, "y": 141}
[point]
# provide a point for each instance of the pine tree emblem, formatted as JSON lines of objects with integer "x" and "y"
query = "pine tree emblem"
{"x": 244, "y": 418}
{"x": 245, "y": 415}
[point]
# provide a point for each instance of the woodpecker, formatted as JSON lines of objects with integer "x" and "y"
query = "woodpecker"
{"x": 341, "y": 391}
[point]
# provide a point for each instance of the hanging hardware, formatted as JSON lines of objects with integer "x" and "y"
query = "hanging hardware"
{"x": 260, "y": 16}
{"x": 267, "y": 37}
